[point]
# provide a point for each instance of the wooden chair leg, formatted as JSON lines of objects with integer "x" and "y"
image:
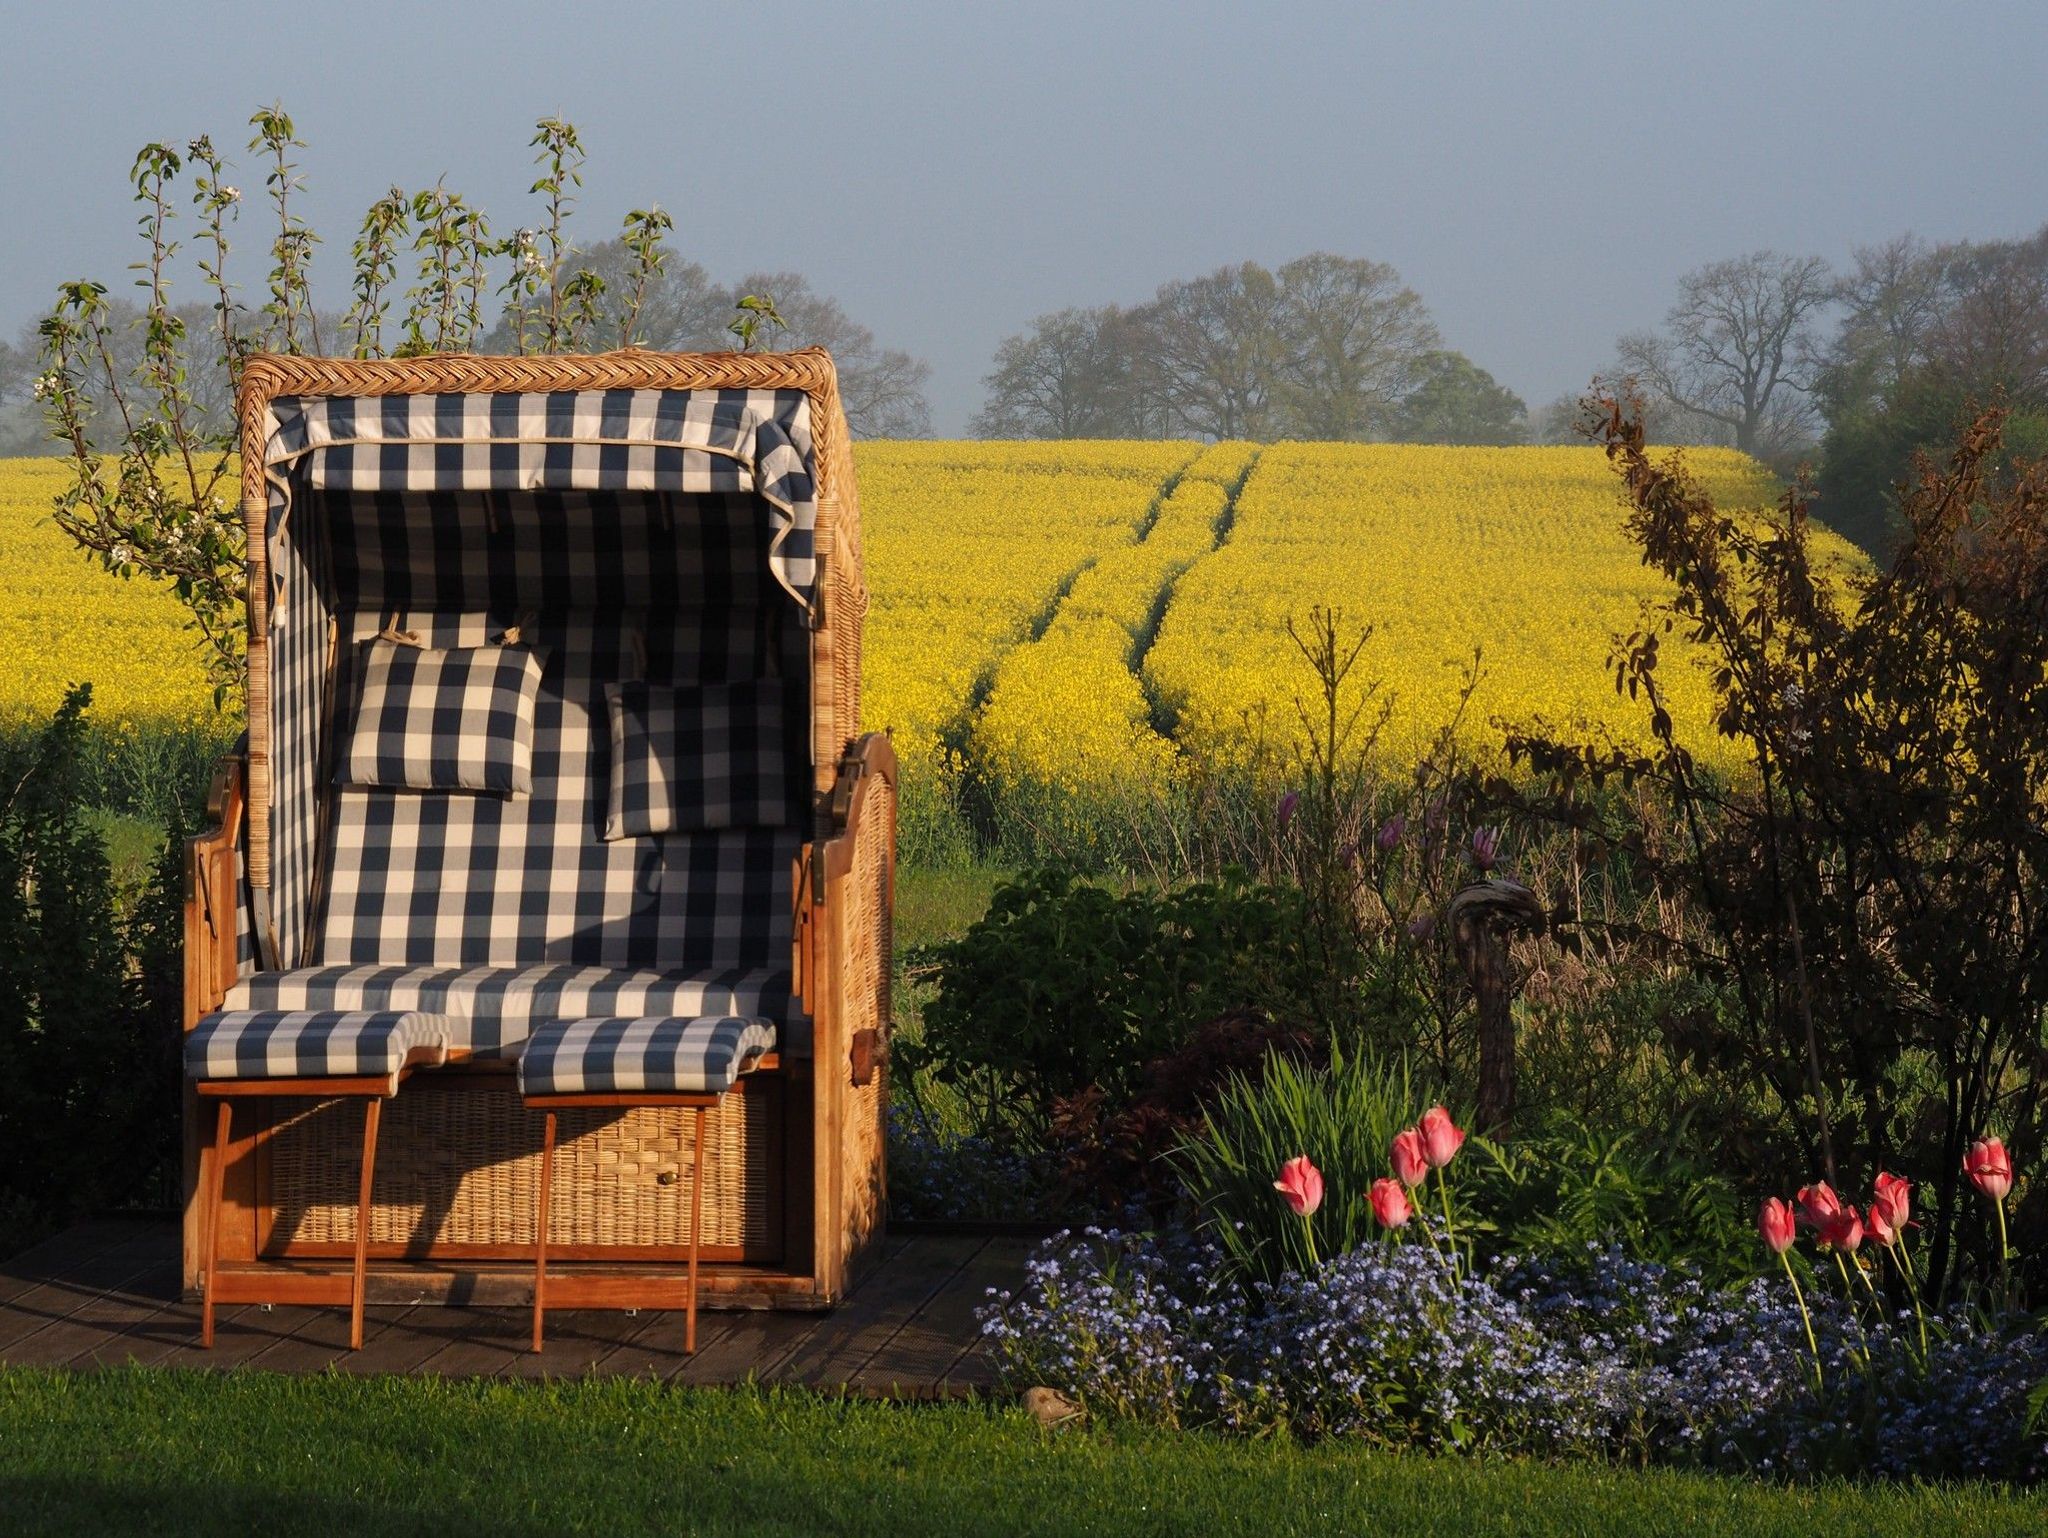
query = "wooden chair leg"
{"x": 540, "y": 1228}
{"x": 696, "y": 1228}
{"x": 209, "y": 1216}
{"x": 372, "y": 1109}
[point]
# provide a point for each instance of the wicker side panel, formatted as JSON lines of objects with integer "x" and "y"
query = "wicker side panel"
{"x": 865, "y": 1005}
{"x": 461, "y": 1167}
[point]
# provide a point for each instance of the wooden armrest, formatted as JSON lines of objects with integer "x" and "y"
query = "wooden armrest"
{"x": 210, "y": 896}
{"x": 872, "y": 757}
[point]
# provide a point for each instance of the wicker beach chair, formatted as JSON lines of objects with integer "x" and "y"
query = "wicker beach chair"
{"x": 553, "y": 702}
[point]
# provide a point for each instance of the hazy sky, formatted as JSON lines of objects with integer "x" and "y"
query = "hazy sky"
{"x": 1540, "y": 174}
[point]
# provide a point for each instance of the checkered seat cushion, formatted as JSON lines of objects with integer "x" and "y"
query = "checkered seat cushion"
{"x": 642, "y": 1057}
{"x": 490, "y": 1011}
{"x": 312, "y": 1044}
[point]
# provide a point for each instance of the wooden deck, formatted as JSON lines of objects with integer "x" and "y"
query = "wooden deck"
{"x": 104, "y": 1294}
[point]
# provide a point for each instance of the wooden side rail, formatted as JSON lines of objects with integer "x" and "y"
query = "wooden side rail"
{"x": 844, "y": 960}
{"x": 211, "y": 898}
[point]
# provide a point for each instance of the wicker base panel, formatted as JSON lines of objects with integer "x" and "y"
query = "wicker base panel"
{"x": 458, "y": 1168}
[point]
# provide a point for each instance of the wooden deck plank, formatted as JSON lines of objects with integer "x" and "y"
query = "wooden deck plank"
{"x": 237, "y": 1338}
{"x": 104, "y": 1295}
{"x": 59, "y": 1255}
{"x": 879, "y": 1308}
{"x": 754, "y": 1346}
{"x": 100, "y": 1321}
{"x": 922, "y": 1354}
{"x": 111, "y": 1270}
{"x": 403, "y": 1339}
{"x": 487, "y": 1340}
{"x": 322, "y": 1341}
{"x": 578, "y": 1339}
{"x": 172, "y": 1328}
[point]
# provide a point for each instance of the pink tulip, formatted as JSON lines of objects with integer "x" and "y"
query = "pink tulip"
{"x": 1843, "y": 1230}
{"x": 1485, "y": 847}
{"x": 1989, "y": 1168}
{"x": 1778, "y": 1224}
{"x": 1441, "y": 1138}
{"x": 1410, "y": 1163}
{"x": 1389, "y": 1203}
{"x": 1284, "y": 814}
{"x": 1301, "y": 1184}
{"x": 1890, "y": 1208}
{"x": 1390, "y": 832}
{"x": 1818, "y": 1205}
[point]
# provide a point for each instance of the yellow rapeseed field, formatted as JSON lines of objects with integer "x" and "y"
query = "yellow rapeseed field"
{"x": 63, "y": 620}
{"x": 1516, "y": 551}
{"x": 1047, "y": 605}
{"x": 1068, "y": 711}
{"x": 967, "y": 545}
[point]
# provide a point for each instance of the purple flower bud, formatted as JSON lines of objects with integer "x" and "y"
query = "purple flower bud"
{"x": 1485, "y": 847}
{"x": 1285, "y": 813}
{"x": 1391, "y": 831}
{"x": 1421, "y": 927}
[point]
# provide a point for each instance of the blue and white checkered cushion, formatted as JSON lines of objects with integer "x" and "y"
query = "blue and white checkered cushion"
{"x": 650, "y": 1056}
{"x": 454, "y": 719}
{"x": 490, "y": 1011}
{"x": 310, "y": 1043}
{"x": 697, "y": 759}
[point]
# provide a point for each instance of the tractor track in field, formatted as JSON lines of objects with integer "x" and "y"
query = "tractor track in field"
{"x": 1164, "y": 714}
{"x": 1041, "y": 622}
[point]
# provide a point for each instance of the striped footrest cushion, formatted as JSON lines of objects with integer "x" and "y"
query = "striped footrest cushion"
{"x": 650, "y": 1055}
{"x": 312, "y": 1043}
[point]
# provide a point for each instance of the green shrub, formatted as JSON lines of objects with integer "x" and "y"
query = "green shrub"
{"x": 89, "y": 994}
{"x": 1571, "y": 1186}
{"x": 1342, "y": 1117}
{"x": 1063, "y": 987}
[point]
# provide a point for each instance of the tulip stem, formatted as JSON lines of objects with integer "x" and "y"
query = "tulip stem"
{"x": 1903, "y": 1259}
{"x": 1855, "y": 1313}
{"x": 2004, "y": 1258}
{"x": 1443, "y": 1187}
{"x": 1308, "y": 1229}
{"x": 1812, "y": 1344}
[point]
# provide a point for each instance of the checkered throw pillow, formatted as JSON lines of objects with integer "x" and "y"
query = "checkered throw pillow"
{"x": 697, "y": 759}
{"x": 444, "y": 720}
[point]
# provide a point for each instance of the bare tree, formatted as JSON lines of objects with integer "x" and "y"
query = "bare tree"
{"x": 1354, "y": 339}
{"x": 1992, "y": 335}
{"x": 1891, "y": 303}
{"x": 1068, "y": 376}
{"x": 684, "y": 310}
{"x": 1737, "y": 347}
{"x": 881, "y": 388}
{"x": 1217, "y": 347}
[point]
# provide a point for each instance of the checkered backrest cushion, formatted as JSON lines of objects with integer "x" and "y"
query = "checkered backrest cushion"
{"x": 697, "y": 759}
{"x": 433, "y": 879}
{"x": 429, "y": 719}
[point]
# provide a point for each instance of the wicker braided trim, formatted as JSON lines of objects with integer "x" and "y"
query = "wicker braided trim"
{"x": 844, "y": 594}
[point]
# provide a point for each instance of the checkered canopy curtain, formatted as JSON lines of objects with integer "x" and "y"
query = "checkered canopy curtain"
{"x": 417, "y": 478}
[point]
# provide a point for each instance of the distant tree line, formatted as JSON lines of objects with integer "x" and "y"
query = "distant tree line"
{"x": 1327, "y": 346}
{"x": 684, "y": 309}
{"x": 1786, "y": 358}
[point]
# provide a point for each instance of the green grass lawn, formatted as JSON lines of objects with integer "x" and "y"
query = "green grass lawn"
{"x": 171, "y": 1453}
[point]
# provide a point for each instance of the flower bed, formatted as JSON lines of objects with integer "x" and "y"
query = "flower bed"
{"x": 1416, "y": 1342}
{"x": 1585, "y": 1355}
